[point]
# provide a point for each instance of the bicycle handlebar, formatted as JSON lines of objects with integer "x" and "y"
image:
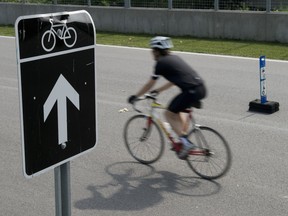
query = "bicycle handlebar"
{"x": 145, "y": 97}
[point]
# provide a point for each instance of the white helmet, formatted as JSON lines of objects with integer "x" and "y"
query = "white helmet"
{"x": 161, "y": 42}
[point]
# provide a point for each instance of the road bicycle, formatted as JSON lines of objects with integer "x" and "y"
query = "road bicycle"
{"x": 67, "y": 34}
{"x": 144, "y": 139}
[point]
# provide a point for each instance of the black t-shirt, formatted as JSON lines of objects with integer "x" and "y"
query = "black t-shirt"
{"x": 175, "y": 70}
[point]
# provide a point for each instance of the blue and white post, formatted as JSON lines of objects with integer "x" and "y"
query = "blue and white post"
{"x": 263, "y": 91}
{"x": 262, "y": 105}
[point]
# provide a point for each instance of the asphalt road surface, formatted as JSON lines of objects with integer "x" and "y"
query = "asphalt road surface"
{"x": 107, "y": 181}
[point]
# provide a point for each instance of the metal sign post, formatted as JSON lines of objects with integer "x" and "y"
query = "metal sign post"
{"x": 62, "y": 190}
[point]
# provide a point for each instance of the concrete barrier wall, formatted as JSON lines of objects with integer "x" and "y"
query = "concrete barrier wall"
{"x": 259, "y": 26}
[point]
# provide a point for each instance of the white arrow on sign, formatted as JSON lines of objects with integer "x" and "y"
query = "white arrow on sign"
{"x": 61, "y": 90}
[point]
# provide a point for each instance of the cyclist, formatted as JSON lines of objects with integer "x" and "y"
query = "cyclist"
{"x": 178, "y": 73}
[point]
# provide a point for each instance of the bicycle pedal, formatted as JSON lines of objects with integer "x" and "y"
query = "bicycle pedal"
{"x": 173, "y": 149}
{"x": 182, "y": 158}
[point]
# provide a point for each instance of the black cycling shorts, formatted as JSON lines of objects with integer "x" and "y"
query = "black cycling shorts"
{"x": 185, "y": 99}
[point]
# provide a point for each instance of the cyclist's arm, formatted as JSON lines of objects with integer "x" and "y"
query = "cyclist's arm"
{"x": 146, "y": 87}
{"x": 165, "y": 87}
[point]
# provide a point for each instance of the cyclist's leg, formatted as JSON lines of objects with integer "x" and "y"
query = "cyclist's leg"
{"x": 175, "y": 120}
{"x": 173, "y": 115}
{"x": 181, "y": 102}
{"x": 178, "y": 123}
{"x": 185, "y": 122}
{"x": 194, "y": 95}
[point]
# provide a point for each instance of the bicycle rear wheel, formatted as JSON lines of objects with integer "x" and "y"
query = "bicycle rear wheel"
{"x": 212, "y": 158}
{"x": 143, "y": 139}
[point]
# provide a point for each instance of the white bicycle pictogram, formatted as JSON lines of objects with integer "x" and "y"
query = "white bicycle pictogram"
{"x": 67, "y": 34}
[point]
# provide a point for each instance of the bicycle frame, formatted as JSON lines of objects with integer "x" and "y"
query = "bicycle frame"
{"x": 153, "y": 115}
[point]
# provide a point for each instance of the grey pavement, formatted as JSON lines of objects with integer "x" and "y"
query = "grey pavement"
{"x": 107, "y": 181}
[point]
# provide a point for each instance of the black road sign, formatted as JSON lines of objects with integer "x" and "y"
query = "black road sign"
{"x": 57, "y": 85}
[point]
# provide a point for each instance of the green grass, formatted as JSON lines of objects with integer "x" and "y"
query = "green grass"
{"x": 190, "y": 44}
{"x": 6, "y": 30}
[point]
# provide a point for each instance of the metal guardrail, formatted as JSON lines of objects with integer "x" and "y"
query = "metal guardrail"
{"x": 244, "y": 5}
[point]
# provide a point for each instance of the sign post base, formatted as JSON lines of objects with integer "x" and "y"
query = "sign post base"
{"x": 267, "y": 107}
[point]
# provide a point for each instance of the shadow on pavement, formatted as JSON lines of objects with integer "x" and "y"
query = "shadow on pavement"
{"x": 136, "y": 186}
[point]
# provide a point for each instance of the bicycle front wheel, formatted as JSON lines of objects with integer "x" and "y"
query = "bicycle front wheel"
{"x": 212, "y": 158}
{"x": 143, "y": 139}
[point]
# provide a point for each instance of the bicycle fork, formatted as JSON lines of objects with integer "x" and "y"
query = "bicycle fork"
{"x": 146, "y": 129}
{"x": 49, "y": 37}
